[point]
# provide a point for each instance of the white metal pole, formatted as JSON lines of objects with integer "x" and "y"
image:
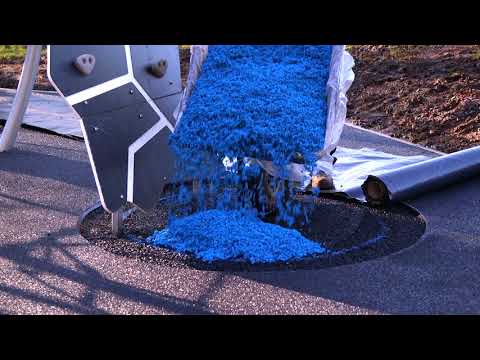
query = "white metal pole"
{"x": 20, "y": 103}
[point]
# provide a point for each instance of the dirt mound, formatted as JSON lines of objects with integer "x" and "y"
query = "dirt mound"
{"x": 429, "y": 95}
{"x": 10, "y": 72}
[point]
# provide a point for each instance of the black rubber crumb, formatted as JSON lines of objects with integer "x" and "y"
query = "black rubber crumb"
{"x": 344, "y": 227}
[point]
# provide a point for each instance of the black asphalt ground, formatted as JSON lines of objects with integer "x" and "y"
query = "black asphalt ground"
{"x": 46, "y": 267}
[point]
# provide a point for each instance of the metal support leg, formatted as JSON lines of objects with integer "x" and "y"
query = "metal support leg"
{"x": 117, "y": 223}
{"x": 24, "y": 90}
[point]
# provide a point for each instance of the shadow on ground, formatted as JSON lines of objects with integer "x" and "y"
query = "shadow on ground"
{"x": 31, "y": 163}
{"x": 36, "y": 260}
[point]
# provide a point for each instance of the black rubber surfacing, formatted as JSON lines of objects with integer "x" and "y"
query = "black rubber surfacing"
{"x": 351, "y": 231}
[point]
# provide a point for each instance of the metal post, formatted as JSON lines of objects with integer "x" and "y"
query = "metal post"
{"x": 24, "y": 90}
{"x": 117, "y": 223}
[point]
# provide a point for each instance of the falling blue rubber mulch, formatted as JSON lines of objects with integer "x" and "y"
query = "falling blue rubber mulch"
{"x": 267, "y": 102}
{"x": 216, "y": 235}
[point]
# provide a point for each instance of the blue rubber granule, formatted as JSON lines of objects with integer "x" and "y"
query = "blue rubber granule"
{"x": 264, "y": 102}
{"x": 233, "y": 235}
{"x": 267, "y": 102}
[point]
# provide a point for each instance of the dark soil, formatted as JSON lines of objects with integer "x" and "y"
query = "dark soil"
{"x": 346, "y": 228}
{"x": 11, "y": 70}
{"x": 429, "y": 95}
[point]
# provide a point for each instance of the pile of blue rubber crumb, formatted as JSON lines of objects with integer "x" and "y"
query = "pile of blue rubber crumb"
{"x": 263, "y": 101}
{"x": 216, "y": 235}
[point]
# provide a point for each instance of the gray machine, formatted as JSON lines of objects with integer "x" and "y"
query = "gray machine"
{"x": 126, "y": 96}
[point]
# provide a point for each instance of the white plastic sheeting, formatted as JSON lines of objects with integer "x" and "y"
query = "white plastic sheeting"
{"x": 340, "y": 81}
{"x": 355, "y": 165}
{"x": 46, "y": 110}
{"x": 410, "y": 181}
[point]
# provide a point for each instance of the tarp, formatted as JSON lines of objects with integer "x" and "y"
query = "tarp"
{"x": 407, "y": 182}
{"x": 46, "y": 110}
{"x": 355, "y": 165}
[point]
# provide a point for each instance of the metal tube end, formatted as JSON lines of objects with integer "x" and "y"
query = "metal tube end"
{"x": 375, "y": 192}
